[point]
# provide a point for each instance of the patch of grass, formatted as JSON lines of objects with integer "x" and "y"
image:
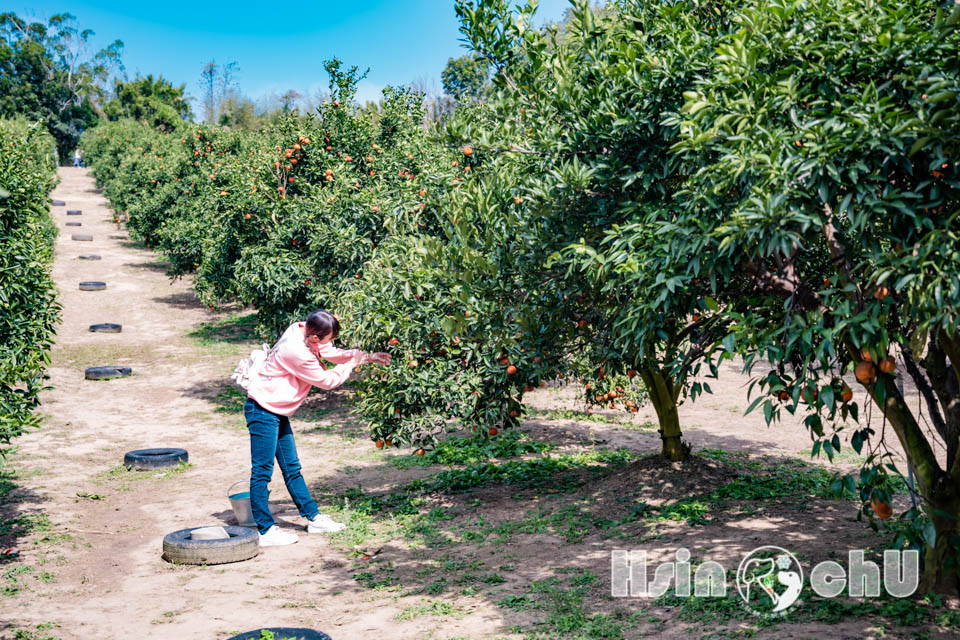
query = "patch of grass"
{"x": 25, "y": 523}
{"x": 123, "y": 474}
{"x": 471, "y": 449}
{"x": 436, "y": 608}
{"x": 567, "y": 615}
{"x": 231, "y": 400}
{"x": 908, "y": 612}
{"x": 535, "y": 472}
{"x": 578, "y": 416}
{"x": 8, "y": 477}
{"x": 13, "y": 582}
{"x": 233, "y": 329}
{"x": 26, "y": 634}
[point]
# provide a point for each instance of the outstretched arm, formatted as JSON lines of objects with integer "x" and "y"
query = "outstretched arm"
{"x": 335, "y": 355}
{"x": 310, "y": 370}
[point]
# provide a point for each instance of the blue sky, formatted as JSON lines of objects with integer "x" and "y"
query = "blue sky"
{"x": 278, "y": 46}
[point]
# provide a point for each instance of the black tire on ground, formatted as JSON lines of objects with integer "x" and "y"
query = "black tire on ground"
{"x": 143, "y": 459}
{"x": 242, "y": 544}
{"x": 105, "y": 373}
{"x": 118, "y": 236}
{"x": 74, "y": 212}
{"x": 88, "y": 256}
{"x": 82, "y": 237}
{"x": 93, "y": 285}
{"x": 74, "y": 224}
{"x": 283, "y": 632}
{"x": 58, "y": 203}
{"x": 106, "y": 327}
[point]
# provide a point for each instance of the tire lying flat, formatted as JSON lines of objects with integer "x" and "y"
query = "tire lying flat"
{"x": 74, "y": 212}
{"x": 107, "y": 372}
{"x": 74, "y": 224}
{"x": 82, "y": 237}
{"x": 143, "y": 459}
{"x": 58, "y": 203}
{"x": 88, "y": 256}
{"x": 242, "y": 544}
{"x": 93, "y": 285}
{"x": 283, "y": 632}
{"x": 106, "y": 327}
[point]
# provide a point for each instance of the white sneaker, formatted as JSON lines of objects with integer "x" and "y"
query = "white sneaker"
{"x": 276, "y": 537}
{"x": 322, "y": 523}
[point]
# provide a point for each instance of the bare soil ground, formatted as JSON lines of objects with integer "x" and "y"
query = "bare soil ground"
{"x": 528, "y": 559}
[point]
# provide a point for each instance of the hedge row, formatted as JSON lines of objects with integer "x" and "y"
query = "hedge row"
{"x": 29, "y": 311}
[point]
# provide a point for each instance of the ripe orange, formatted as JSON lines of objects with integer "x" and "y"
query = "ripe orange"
{"x": 379, "y": 444}
{"x": 388, "y": 442}
{"x": 454, "y": 164}
{"x": 513, "y": 414}
{"x": 493, "y": 431}
{"x": 846, "y": 394}
{"x": 866, "y": 372}
{"x": 881, "y": 508}
{"x": 247, "y": 216}
{"x": 631, "y": 373}
{"x": 865, "y": 354}
{"x": 881, "y": 293}
{"x": 328, "y": 148}
{"x": 420, "y": 452}
{"x": 393, "y": 342}
{"x": 468, "y": 151}
{"x": 336, "y": 103}
{"x": 784, "y": 396}
{"x": 888, "y": 365}
{"x": 517, "y": 199}
{"x": 511, "y": 370}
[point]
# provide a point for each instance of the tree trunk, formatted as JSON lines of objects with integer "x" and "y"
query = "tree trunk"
{"x": 940, "y": 561}
{"x": 663, "y": 396}
{"x": 940, "y": 489}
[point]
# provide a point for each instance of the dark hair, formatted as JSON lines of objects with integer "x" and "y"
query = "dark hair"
{"x": 321, "y": 324}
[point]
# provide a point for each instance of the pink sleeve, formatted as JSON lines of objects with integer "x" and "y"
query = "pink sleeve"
{"x": 310, "y": 370}
{"x": 335, "y": 355}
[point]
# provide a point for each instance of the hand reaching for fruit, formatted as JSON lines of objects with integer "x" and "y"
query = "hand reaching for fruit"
{"x": 379, "y": 358}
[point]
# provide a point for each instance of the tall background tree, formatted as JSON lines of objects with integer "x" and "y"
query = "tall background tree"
{"x": 50, "y": 72}
{"x": 154, "y": 101}
{"x": 466, "y": 78}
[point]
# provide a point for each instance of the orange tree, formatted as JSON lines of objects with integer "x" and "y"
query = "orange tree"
{"x": 822, "y": 146}
{"x": 29, "y": 311}
{"x": 563, "y": 166}
{"x": 800, "y": 205}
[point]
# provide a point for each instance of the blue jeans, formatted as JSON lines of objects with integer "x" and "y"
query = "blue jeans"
{"x": 271, "y": 437}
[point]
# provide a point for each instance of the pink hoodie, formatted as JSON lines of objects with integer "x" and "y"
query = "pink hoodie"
{"x": 291, "y": 368}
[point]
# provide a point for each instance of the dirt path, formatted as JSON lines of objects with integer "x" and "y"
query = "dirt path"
{"x": 95, "y": 569}
{"x": 106, "y": 552}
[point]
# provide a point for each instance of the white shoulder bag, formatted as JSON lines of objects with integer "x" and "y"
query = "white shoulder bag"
{"x": 249, "y": 366}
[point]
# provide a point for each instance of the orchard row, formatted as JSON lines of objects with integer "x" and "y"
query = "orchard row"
{"x": 654, "y": 189}
{"x": 28, "y": 308}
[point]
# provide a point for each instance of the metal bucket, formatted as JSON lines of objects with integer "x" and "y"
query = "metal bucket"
{"x": 240, "y": 503}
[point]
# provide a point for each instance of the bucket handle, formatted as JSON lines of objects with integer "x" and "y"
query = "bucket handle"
{"x": 230, "y": 490}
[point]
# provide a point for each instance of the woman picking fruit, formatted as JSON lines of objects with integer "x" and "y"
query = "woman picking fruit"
{"x": 276, "y": 391}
